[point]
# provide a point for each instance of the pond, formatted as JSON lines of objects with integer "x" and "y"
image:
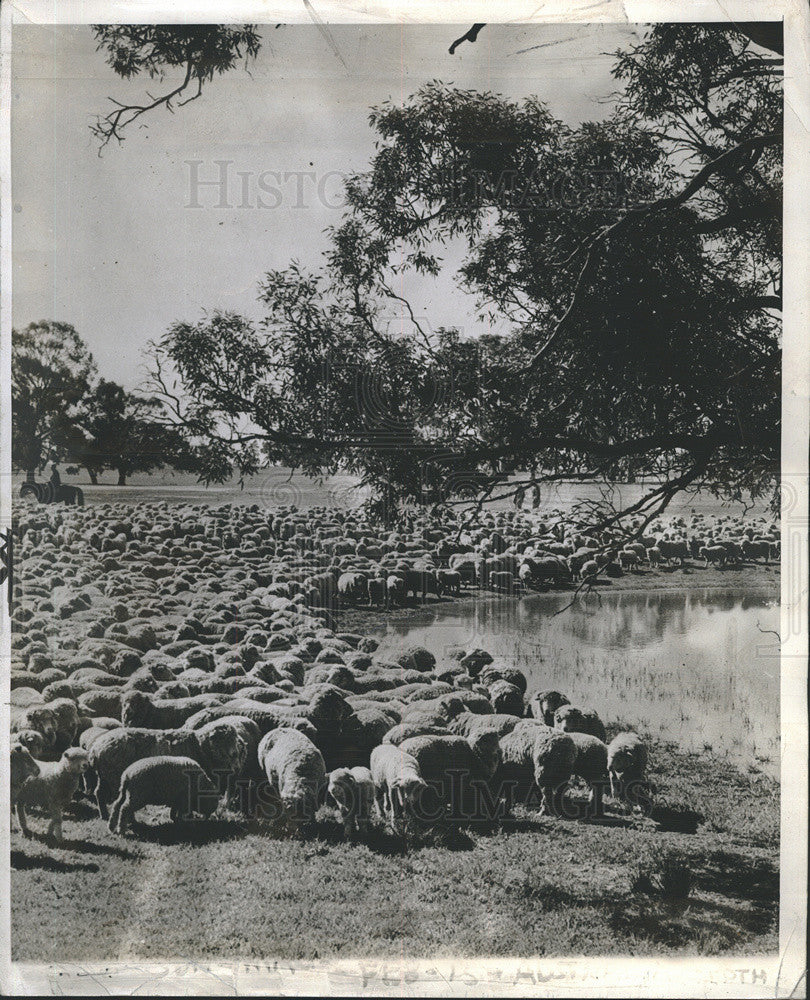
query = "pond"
{"x": 699, "y": 667}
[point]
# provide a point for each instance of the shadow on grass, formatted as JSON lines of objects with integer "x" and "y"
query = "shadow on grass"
{"x": 189, "y": 832}
{"x": 676, "y": 818}
{"x": 26, "y": 862}
{"x": 749, "y": 891}
{"x": 380, "y": 839}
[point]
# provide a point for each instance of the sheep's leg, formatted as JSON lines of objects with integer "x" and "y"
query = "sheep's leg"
{"x": 127, "y": 816}
{"x": 115, "y": 815}
{"x": 595, "y": 798}
{"x": 21, "y": 818}
{"x": 55, "y": 826}
{"x": 102, "y": 796}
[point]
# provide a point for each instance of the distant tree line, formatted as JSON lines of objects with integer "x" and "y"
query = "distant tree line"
{"x": 62, "y": 412}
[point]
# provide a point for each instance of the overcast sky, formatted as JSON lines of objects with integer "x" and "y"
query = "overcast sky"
{"x": 112, "y": 245}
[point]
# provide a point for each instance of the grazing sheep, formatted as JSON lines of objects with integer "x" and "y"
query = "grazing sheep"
{"x": 713, "y": 554}
{"x": 757, "y": 549}
{"x": 654, "y": 555}
{"x": 139, "y": 710}
{"x": 678, "y": 549}
{"x": 177, "y": 782}
{"x": 589, "y": 570}
{"x": 395, "y": 591}
{"x": 405, "y": 730}
{"x": 398, "y": 784}
{"x": 218, "y": 750}
{"x": 457, "y": 772}
{"x": 52, "y": 789}
{"x": 626, "y": 763}
{"x": 514, "y": 779}
{"x": 554, "y": 757}
{"x": 377, "y": 592}
{"x": 573, "y": 719}
{"x": 470, "y": 724}
{"x": 591, "y": 765}
{"x": 506, "y": 698}
{"x": 352, "y": 790}
{"x": 22, "y": 766}
{"x": 295, "y": 772}
{"x": 544, "y": 704}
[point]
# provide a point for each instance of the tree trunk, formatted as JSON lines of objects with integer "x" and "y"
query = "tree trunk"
{"x": 93, "y": 477}
{"x": 31, "y": 476}
{"x": 122, "y": 478}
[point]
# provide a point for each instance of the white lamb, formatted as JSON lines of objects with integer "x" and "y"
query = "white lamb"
{"x": 398, "y": 783}
{"x": 352, "y": 790}
{"x": 52, "y": 789}
{"x": 627, "y": 764}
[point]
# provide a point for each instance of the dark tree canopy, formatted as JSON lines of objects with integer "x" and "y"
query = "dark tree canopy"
{"x": 125, "y": 433}
{"x": 637, "y": 260}
{"x": 51, "y": 370}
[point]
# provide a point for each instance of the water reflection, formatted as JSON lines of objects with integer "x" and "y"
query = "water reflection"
{"x": 697, "y": 666}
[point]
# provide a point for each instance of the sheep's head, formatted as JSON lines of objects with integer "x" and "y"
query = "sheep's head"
{"x": 569, "y": 719}
{"x": 328, "y": 709}
{"x": 547, "y": 704}
{"x": 135, "y": 707}
{"x": 75, "y": 760}
{"x": 343, "y": 789}
{"x": 43, "y": 720}
{"x": 222, "y": 748}
{"x": 23, "y": 764}
{"x": 32, "y": 740}
{"x": 409, "y": 790}
{"x": 488, "y": 748}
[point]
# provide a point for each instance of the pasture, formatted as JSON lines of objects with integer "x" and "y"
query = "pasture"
{"x": 184, "y": 602}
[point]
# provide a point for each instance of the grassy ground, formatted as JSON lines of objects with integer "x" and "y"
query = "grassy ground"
{"x": 700, "y": 876}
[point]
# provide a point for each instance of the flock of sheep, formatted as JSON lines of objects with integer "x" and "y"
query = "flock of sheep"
{"x": 188, "y": 657}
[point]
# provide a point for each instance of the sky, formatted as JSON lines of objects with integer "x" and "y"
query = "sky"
{"x": 123, "y": 244}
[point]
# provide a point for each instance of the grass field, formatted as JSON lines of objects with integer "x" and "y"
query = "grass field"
{"x": 699, "y": 876}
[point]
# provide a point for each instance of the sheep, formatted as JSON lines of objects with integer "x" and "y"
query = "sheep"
{"x": 296, "y": 774}
{"x": 266, "y": 717}
{"x": 589, "y": 570}
{"x": 405, "y": 730}
{"x": 470, "y": 724}
{"x": 177, "y": 782}
{"x": 495, "y": 672}
{"x": 591, "y": 765}
{"x": 450, "y": 581}
{"x": 678, "y": 549}
{"x": 352, "y": 790}
{"x": 139, "y": 710}
{"x": 398, "y": 784}
{"x": 457, "y": 772}
{"x": 33, "y": 741}
{"x": 757, "y": 548}
{"x": 654, "y": 555}
{"x": 626, "y": 763}
{"x": 377, "y": 592}
{"x": 219, "y": 749}
{"x": 53, "y": 788}
{"x": 506, "y": 698}
{"x": 713, "y": 554}
{"x": 395, "y": 590}
{"x": 544, "y": 704}
{"x": 628, "y": 559}
{"x": 554, "y": 757}
{"x": 514, "y": 779}
{"x": 21, "y": 766}
{"x": 573, "y": 719}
